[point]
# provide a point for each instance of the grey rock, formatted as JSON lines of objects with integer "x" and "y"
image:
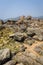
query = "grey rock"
{"x": 36, "y": 33}
{"x": 30, "y": 32}
{"x": 4, "y": 55}
{"x": 19, "y": 36}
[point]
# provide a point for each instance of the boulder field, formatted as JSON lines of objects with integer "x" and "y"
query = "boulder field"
{"x": 21, "y": 41}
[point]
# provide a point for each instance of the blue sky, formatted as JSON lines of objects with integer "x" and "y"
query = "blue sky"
{"x": 15, "y": 8}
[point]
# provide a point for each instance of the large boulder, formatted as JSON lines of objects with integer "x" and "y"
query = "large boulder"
{"x": 36, "y": 33}
{"x": 4, "y": 55}
{"x": 39, "y": 34}
{"x": 38, "y": 37}
{"x": 19, "y": 36}
{"x": 30, "y": 32}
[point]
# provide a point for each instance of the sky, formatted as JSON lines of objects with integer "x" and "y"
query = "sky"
{"x": 15, "y": 8}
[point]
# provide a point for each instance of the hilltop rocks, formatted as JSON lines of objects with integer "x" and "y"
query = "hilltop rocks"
{"x": 28, "y": 17}
{"x": 10, "y": 22}
{"x": 35, "y": 33}
{"x": 4, "y": 55}
{"x": 21, "y": 41}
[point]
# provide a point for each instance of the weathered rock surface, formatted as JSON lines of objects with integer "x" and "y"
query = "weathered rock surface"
{"x": 4, "y": 55}
{"x": 25, "y": 59}
{"x": 19, "y": 36}
{"x": 36, "y": 33}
